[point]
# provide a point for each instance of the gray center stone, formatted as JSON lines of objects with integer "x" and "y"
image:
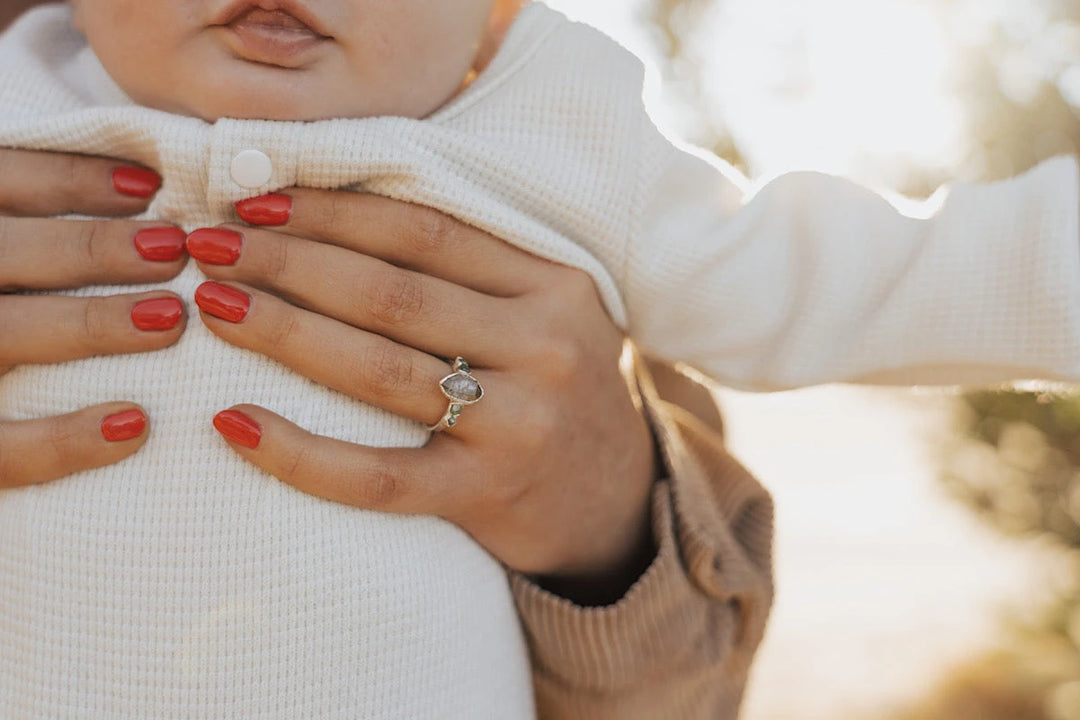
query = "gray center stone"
{"x": 462, "y": 388}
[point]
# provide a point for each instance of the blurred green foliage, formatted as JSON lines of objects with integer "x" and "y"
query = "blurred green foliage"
{"x": 1019, "y": 465}
{"x": 1016, "y": 463}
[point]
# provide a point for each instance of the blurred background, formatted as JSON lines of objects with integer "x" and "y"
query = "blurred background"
{"x": 927, "y": 558}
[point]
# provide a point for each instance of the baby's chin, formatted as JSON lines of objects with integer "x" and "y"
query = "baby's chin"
{"x": 292, "y": 99}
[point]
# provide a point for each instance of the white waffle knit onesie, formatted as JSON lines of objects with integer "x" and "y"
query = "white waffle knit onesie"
{"x": 185, "y": 583}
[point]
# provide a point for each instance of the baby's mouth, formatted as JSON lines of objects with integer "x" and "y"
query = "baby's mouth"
{"x": 272, "y": 37}
{"x": 272, "y": 20}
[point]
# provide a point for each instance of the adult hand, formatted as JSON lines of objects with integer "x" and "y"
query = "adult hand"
{"x": 38, "y": 253}
{"x": 11, "y": 9}
{"x": 551, "y": 471}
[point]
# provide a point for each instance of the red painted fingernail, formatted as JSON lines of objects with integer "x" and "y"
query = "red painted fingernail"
{"x": 163, "y": 244}
{"x": 157, "y": 314}
{"x": 268, "y": 210}
{"x": 215, "y": 246}
{"x": 239, "y": 428}
{"x": 123, "y": 425}
{"x": 222, "y": 301}
{"x": 136, "y": 181}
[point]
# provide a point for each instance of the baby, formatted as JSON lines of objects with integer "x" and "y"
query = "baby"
{"x": 185, "y": 583}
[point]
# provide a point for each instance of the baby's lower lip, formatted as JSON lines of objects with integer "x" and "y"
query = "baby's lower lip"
{"x": 272, "y": 44}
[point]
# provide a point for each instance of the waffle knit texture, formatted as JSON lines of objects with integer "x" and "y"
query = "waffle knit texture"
{"x": 185, "y": 583}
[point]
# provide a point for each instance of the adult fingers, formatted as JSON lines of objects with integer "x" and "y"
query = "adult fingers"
{"x": 41, "y": 183}
{"x": 47, "y": 254}
{"x": 37, "y": 451}
{"x": 396, "y": 480}
{"x": 360, "y": 364}
{"x": 424, "y": 312}
{"x": 48, "y": 329}
{"x": 409, "y": 236}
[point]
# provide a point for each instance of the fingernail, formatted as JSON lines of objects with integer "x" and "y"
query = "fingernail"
{"x": 163, "y": 244}
{"x": 270, "y": 210}
{"x": 239, "y": 428}
{"x": 157, "y": 314}
{"x": 215, "y": 246}
{"x": 123, "y": 425}
{"x": 222, "y": 301}
{"x": 136, "y": 181}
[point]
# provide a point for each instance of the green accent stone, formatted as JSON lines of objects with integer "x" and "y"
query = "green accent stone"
{"x": 455, "y": 408}
{"x": 451, "y": 421}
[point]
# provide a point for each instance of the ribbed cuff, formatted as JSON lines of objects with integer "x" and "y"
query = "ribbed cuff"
{"x": 724, "y": 518}
{"x": 607, "y": 648}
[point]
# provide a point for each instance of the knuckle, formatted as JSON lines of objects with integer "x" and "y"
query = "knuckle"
{"x": 544, "y": 419}
{"x": 387, "y": 373}
{"x": 431, "y": 232}
{"x": 72, "y": 168}
{"x": 60, "y": 438}
{"x": 339, "y": 211}
{"x": 277, "y": 259}
{"x": 295, "y": 464}
{"x": 506, "y": 492}
{"x": 93, "y": 243}
{"x": 538, "y": 424}
{"x": 377, "y": 488}
{"x": 578, "y": 287}
{"x": 395, "y": 297}
{"x": 95, "y": 323}
{"x": 283, "y": 334}
{"x": 563, "y": 357}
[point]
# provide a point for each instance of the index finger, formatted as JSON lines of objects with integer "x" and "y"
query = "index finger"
{"x": 406, "y": 235}
{"x": 40, "y": 184}
{"x": 37, "y": 451}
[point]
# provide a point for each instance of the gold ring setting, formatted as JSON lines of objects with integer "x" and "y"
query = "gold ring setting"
{"x": 461, "y": 389}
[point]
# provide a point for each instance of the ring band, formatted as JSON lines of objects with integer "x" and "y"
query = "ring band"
{"x": 461, "y": 389}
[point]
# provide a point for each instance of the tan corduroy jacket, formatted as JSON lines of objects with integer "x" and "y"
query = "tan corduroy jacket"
{"x": 680, "y": 643}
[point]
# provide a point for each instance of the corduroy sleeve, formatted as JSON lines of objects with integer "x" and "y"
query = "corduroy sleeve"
{"x": 680, "y": 642}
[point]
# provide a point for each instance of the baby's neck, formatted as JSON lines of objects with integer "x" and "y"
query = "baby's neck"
{"x": 503, "y": 15}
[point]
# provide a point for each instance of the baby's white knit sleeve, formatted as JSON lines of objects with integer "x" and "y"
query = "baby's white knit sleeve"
{"x": 814, "y": 279}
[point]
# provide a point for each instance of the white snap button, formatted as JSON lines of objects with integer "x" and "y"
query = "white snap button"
{"x": 251, "y": 169}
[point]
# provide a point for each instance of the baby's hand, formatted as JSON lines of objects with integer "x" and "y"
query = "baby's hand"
{"x": 43, "y": 253}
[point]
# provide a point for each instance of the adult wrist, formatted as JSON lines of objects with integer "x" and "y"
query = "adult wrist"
{"x": 609, "y": 582}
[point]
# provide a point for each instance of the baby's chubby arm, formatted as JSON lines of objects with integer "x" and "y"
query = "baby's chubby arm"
{"x": 814, "y": 279}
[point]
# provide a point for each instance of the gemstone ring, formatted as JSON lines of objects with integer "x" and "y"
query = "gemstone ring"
{"x": 462, "y": 389}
